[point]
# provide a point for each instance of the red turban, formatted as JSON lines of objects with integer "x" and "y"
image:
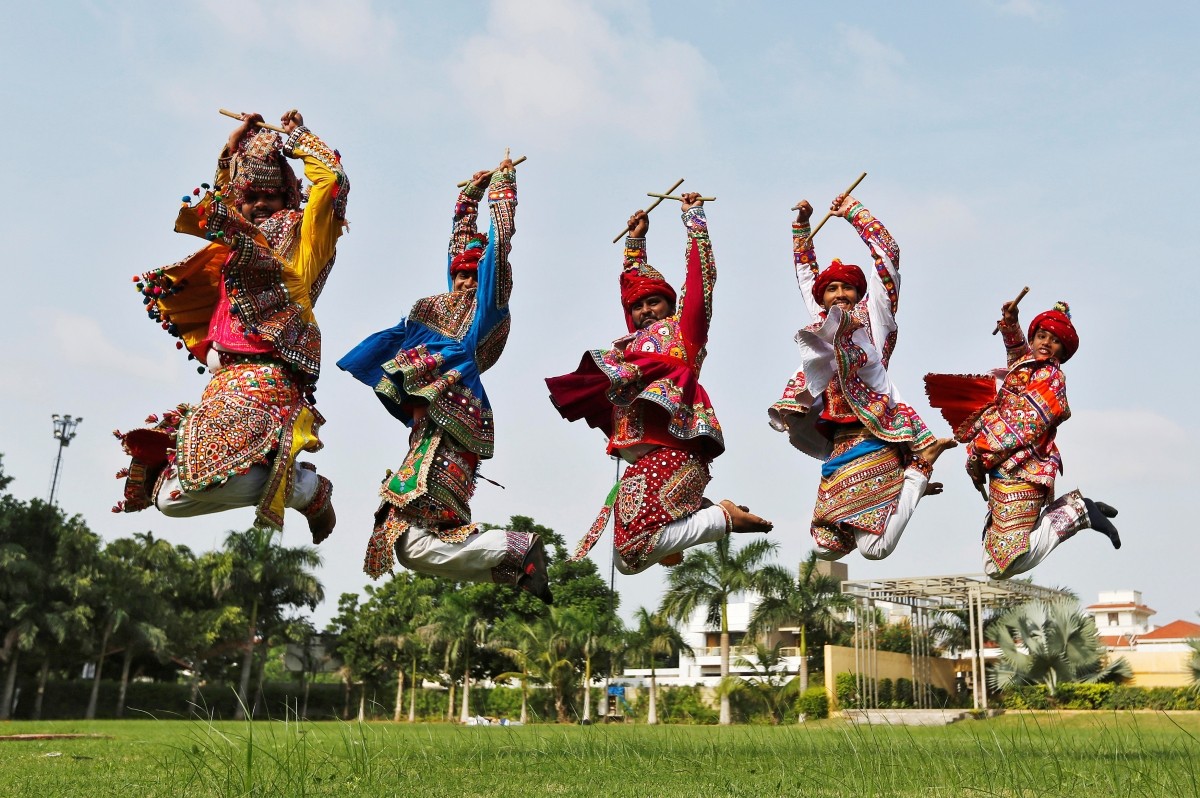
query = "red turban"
{"x": 468, "y": 259}
{"x": 839, "y": 272}
{"x": 640, "y": 282}
{"x": 1058, "y": 323}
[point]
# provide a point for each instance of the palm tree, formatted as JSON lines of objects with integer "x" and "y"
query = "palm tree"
{"x": 265, "y": 579}
{"x": 707, "y": 578}
{"x": 813, "y": 600}
{"x": 588, "y": 633}
{"x": 518, "y": 641}
{"x": 405, "y": 645}
{"x": 1051, "y": 642}
{"x": 654, "y": 637}
{"x": 455, "y": 624}
{"x": 769, "y": 679}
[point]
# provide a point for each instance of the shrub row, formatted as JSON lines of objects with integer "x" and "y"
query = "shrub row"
{"x": 1100, "y": 696}
{"x": 889, "y": 694}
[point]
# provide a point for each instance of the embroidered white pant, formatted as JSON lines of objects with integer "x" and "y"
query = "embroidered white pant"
{"x": 703, "y": 526}
{"x": 419, "y": 549}
{"x": 1058, "y": 522}
{"x": 240, "y": 490}
{"x": 876, "y": 547}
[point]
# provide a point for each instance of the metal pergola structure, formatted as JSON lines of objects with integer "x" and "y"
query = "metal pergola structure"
{"x": 925, "y": 596}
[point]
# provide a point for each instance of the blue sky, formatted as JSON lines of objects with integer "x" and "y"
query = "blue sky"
{"x": 1007, "y": 143}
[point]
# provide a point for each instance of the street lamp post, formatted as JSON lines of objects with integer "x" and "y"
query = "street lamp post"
{"x": 64, "y": 432}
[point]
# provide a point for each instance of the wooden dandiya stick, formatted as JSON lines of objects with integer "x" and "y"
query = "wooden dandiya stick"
{"x": 677, "y": 199}
{"x": 853, "y": 186}
{"x": 518, "y": 161}
{"x": 1015, "y": 302}
{"x": 650, "y": 207}
{"x": 225, "y": 112}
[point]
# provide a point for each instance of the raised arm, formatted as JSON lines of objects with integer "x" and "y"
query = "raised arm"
{"x": 1015, "y": 345}
{"x": 495, "y": 272}
{"x": 804, "y": 257}
{"x": 325, "y": 212}
{"x": 883, "y": 280}
{"x": 695, "y": 300}
{"x": 466, "y": 211}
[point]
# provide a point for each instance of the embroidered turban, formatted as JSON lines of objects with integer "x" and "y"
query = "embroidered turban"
{"x": 1058, "y": 322}
{"x": 259, "y": 165}
{"x": 839, "y": 272}
{"x": 639, "y": 282}
{"x": 468, "y": 259}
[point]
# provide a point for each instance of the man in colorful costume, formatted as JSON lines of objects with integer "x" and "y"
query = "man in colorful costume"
{"x": 645, "y": 395}
{"x": 1010, "y": 444}
{"x": 841, "y": 406}
{"x": 426, "y": 371}
{"x": 243, "y": 306}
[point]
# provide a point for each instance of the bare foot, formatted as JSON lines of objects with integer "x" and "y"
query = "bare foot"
{"x": 934, "y": 489}
{"x": 743, "y": 520}
{"x": 933, "y": 451}
{"x": 321, "y": 525}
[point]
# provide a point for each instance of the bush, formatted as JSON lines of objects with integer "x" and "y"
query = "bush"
{"x": 885, "y": 692}
{"x": 845, "y": 689}
{"x": 904, "y": 692}
{"x": 1029, "y": 696}
{"x": 685, "y": 705}
{"x": 1070, "y": 695}
{"x": 813, "y": 703}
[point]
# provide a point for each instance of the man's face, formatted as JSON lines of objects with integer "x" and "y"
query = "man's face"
{"x": 841, "y": 294}
{"x": 258, "y": 206}
{"x": 1045, "y": 345}
{"x": 650, "y": 309}
{"x": 465, "y": 280}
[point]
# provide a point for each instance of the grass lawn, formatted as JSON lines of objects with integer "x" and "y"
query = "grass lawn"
{"x": 1096, "y": 754}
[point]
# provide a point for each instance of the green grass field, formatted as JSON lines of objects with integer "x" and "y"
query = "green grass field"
{"x": 1092, "y": 754}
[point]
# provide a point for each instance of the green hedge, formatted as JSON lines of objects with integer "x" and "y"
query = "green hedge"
{"x": 1099, "y": 696}
{"x": 813, "y": 703}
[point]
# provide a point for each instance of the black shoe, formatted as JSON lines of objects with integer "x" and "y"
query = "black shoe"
{"x": 535, "y": 580}
{"x": 1098, "y": 515}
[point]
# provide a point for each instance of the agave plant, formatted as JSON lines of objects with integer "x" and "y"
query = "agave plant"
{"x": 1048, "y": 643}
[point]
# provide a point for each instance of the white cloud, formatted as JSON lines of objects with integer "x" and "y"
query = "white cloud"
{"x": 1030, "y": 9}
{"x": 875, "y": 64}
{"x": 80, "y": 341}
{"x": 554, "y": 68}
{"x": 348, "y": 32}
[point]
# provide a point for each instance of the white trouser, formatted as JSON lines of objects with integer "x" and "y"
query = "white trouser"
{"x": 240, "y": 490}
{"x": 419, "y": 549}
{"x": 1044, "y": 538}
{"x": 703, "y": 526}
{"x": 876, "y": 547}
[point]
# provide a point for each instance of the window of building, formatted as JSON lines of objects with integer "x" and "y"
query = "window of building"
{"x": 1113, "y": 619}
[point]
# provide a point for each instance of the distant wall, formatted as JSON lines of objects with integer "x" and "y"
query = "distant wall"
{"x": 1157, "y": 668}
{"x": 889, "y": 665}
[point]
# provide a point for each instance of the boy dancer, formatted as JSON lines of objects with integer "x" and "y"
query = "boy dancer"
{"x": 426, "y": 371}
{"x": 243, "y": 306}
{"x": 645, "y": 395}
{"x": 842, "y": 408}
{"x": 1010, "y": 445}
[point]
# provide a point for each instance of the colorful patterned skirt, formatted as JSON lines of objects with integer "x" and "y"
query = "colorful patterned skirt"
{"x": 860, "y": 486}
{"x": 432, "y": 488}
{"x": 663, "y": 486}
{"x": 1013, "y": 509}
{"x": 252, "y": 410}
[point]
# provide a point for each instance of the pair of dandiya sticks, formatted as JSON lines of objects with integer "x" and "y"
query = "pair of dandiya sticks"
{"x": 666, "y": 195}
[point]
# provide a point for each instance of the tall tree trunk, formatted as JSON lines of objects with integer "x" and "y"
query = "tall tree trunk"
{"x": 466, "y": 696}
{"x": 258, "y": 689}
{"x": 587, "y": 689}
{"x": 362, "y": 703}
{"x": 412, "y": 695}
{"x": 345, "y": 698}
{"x": 399, "y": 695}
{"x": 247, "y": 665}
{"x": 43, "y": 677}
{"x": 450, "y": 704}
{"x": 126, "y": 663}
{"x": 525, "y": 698}
{"x": 725, "y": 713}
{"x": 91, "y": 707}
{"x": 560, "y": 706}
{"x": 303, "y": 714}
{"x": 10, "y": 685}
{"x": 803, "y": 659}
{"x": 194, "y": 699}
{"x": 652, "y": 714}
